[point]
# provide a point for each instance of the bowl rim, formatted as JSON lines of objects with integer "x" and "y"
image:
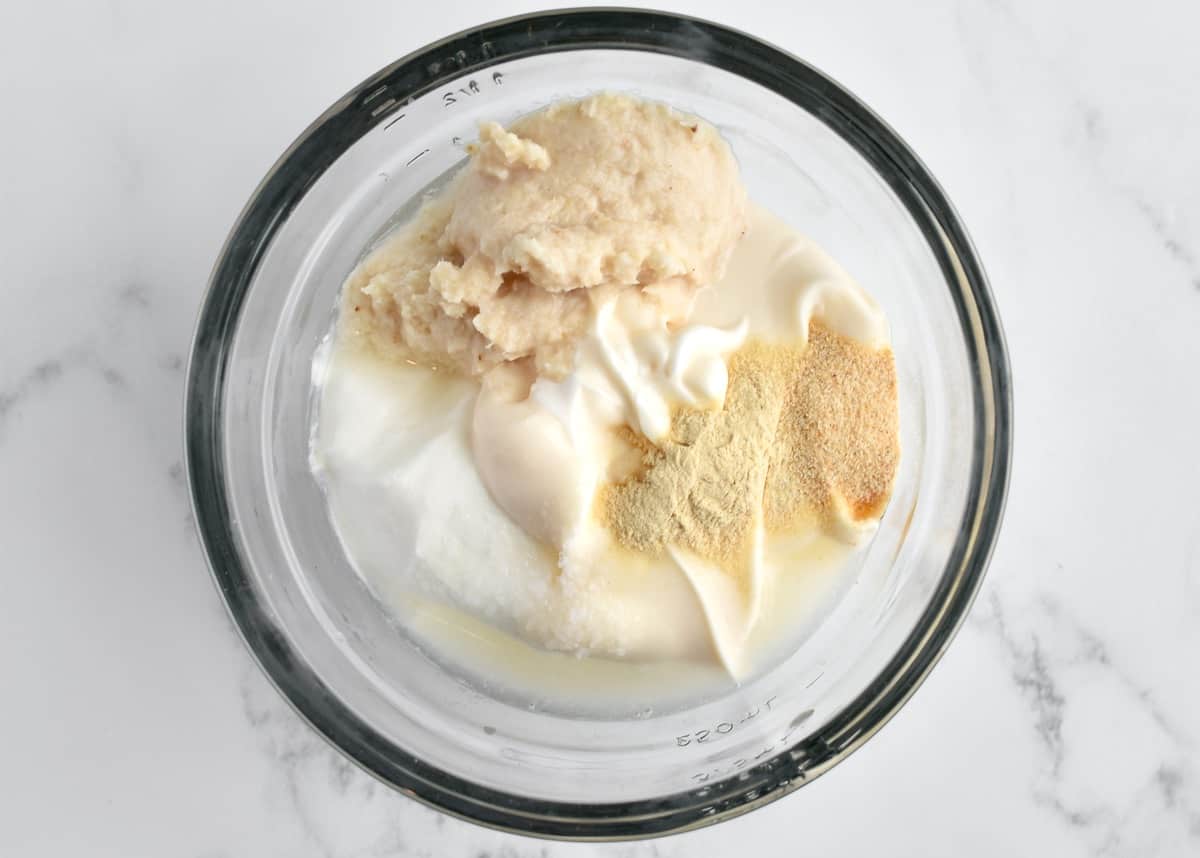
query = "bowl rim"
{"x": 384, "y": 94}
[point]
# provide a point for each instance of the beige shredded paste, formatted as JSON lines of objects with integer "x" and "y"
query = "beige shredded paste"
{"x": 801, "y": 427}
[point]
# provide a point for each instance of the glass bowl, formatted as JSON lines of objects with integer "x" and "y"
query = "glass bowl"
{"x": 809, "y": 151}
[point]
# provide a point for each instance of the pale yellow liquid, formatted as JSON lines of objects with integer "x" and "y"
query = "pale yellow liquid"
{"x": 812, "y": 571}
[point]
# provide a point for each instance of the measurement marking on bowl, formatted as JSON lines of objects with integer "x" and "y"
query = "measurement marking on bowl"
{"x": 393, "y": 122}
{"x": 374, "y": 94}
{"x": 468, "y": 90}
{"x": 449, "y": 98}
{"x": 721, "y": 728}
{"x": 411, "y": 160}
{"x": 384, "y": 107}
{"x": 741, "y": 762}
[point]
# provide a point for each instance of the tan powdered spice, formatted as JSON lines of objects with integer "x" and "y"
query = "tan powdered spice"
{"x": 800, "y": 425}
{"x": 839, "y": 433}
{"x": 701, "y": 487}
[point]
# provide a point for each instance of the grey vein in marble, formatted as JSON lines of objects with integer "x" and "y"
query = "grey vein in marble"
{"x": 1055, "y": 641}
{"x": 1171, "y": 242}
{"x": 1092, "y": 120}
{"x": 1030, "y": 674}
{"x": 41, "y": 377}
{"x": 48, "y": 373}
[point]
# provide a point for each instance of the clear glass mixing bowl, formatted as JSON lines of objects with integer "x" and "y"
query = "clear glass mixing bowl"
{"x": 809, "y": 151}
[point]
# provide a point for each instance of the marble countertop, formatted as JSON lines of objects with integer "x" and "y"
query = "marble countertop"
{"x": 1065, "y": 719}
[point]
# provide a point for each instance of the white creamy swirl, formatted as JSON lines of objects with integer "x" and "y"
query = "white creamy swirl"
{"x": 543, "y": 455}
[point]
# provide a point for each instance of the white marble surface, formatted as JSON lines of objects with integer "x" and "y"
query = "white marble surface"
{"x": 1064, "y": 721}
